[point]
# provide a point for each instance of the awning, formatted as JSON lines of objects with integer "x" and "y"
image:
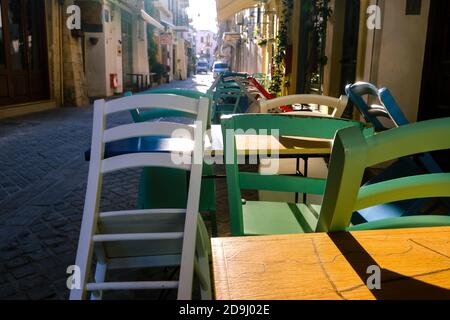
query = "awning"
{"x": 152, "y": 21}
{"x": 168, "y": 24}
{"x": 227, "y": 8}
{"x": 231, "y": 36}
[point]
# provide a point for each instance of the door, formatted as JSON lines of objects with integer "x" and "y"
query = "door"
{"x": 127, "y": 49}
{"x": 23, "y": 54}
{"x": 350, "y": 43}
{"x": 350, "y": 49}
{"x": 435, "y": 96}
{"x": 435, "y": 92}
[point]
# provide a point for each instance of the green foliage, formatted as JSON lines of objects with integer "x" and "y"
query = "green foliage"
{"x": 152, "y": 46}
{"x": 279, "y": 60}
{"x": 320, "y": 14}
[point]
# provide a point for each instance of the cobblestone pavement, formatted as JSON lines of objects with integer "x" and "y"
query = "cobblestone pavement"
{"x": 42, "y": 188}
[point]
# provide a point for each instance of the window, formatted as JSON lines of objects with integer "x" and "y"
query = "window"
{"x": 2, "y": 51}
{"x": 16, "y": 35}
{"x": 202, "y": 40}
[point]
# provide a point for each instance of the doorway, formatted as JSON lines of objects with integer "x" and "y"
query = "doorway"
{"x": 127, "y": 49}
{"x": 350, "y": 43}
{"x": 23, "y": 52}
{"x": 435, "y": 92}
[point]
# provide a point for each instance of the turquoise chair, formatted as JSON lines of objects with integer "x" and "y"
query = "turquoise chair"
{"x": 353, "y": 153}
{"x": 228, "y": 96}
{"x": 173, "y": 193}
{"x": 252, "y": 218}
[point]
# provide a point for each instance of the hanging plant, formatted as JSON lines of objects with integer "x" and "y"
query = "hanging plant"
{"x": 262, "y": 42}
{"x": 279, "y": 60}
{"x": 320, "y": 13}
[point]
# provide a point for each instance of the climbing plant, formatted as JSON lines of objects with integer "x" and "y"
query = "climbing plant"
{"x": 152, "y": 46}
{"x": 320, "y": 14}
{"x": 281, "y": 42}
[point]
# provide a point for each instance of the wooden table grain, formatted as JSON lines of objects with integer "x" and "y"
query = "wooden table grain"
{"x": 270, "y": 145}
{"x": 415, "y": 264}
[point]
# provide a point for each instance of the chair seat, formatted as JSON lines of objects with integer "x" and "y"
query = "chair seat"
{"x": 269, "y": 218}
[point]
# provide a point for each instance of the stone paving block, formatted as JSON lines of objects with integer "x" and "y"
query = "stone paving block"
{"x": 38, "y": 227}
{"x": 53, "y": 242}
{"x": 32, "y": 247}
{"x": 17, "y": 262}
{"x": 32, "y": 282}
{"x": 6, "y": 291}
{"x": 41, "y": 293}
{"x": 17, "y": 297}
{"x": 39, "y": 255}
{"x": 47, "y": 234}
{"x": 10, "y": 254}
{"x": 63, "y": 248}
{"x": 23, "y": 271}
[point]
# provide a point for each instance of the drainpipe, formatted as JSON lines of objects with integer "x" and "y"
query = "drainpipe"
{"x": 61, "y": 50}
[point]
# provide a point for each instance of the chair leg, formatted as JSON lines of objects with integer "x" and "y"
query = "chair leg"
{"x": 201, "y": 265}
{"x": 100, "y": 275}
{"x": 213, "y": 219}
{"x": 100, "y": 270}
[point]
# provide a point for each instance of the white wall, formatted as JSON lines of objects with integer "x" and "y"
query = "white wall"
{"x": 398, "y": 54}
{"x": 105, "y": 58}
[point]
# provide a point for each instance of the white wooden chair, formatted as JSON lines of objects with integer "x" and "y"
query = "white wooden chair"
{"x": 143, "y": 238}
{"x": 338, "y": 105}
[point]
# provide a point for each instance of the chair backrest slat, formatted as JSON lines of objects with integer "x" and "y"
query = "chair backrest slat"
{"x": 285, "y": 125}
{"x": 338, "y": 105}
{"x": 397, "y": 143}
{"x": 254, "y": 181}
{"x": 155, "y": 101}
{"x": 141, "y": 160}
{"x": 147, "y": 129}
{"x": 416, "y": 187}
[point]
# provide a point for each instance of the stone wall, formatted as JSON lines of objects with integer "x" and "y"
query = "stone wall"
{"x": 75, "y": 89}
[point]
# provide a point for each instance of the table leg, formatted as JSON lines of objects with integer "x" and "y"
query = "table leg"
{"x": 305, "y": 196}
{"x": 297, "y": 172}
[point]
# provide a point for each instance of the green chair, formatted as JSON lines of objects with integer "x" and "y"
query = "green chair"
{"x": 353, "y": 153}
{"x": 354, "y": 150}
{"x": 165, "y": 195}
{"x": 265, "y": 218}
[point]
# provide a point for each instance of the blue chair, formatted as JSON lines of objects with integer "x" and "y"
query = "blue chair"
{"x": 389, "y": 110}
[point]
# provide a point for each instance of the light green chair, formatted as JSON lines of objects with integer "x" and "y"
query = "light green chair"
{"x": 353, "y": 153}
{"x": 249, "y": 218}
{"x": 173, "y": 192}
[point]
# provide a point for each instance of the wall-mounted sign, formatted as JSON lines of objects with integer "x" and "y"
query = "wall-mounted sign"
{"x": 232, "y": 36}
{"x": 413, "y": 7}
{"x": 165, "y": 39}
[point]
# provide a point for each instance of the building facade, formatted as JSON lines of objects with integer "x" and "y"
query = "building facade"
{"x": 206, "y": 45}
{"x": 47, "y": 70}
{"x": 327, "y": 44}
{"x": 53, "y": 55}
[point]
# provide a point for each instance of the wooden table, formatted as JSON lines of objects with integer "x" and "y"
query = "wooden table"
{"x": 285, "y": 146}
{"x": 415, "y": 265}
{"x": 246, "y": 145}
